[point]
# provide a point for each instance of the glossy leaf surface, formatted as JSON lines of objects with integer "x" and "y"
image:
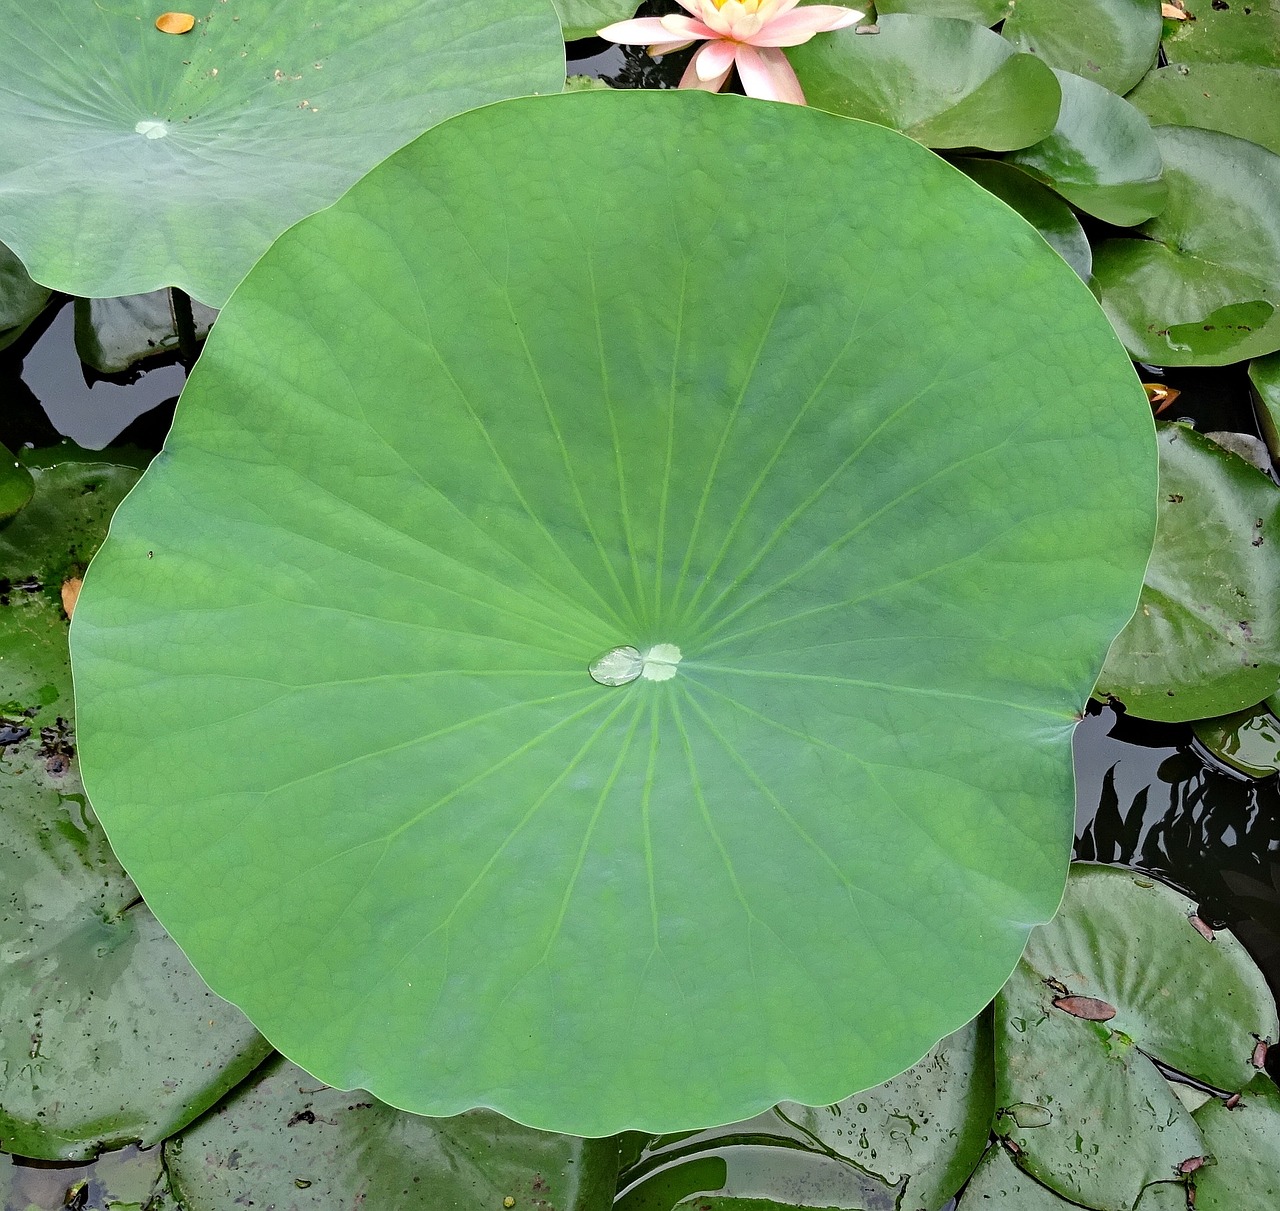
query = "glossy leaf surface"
{"x": 1238, "y": 99}
{"x": 133, "y": 160}
{"x": 1205, "y": 639}
{"x": 281, "y": 1141}
{"x": 1245, "y": 1145}
{"x": 1241, "y": 31}
{"x": 1111, "y": 42}
{"x": 109, "y": 1035}
{"x": 943, "y": 81}
{"x": 378, "y": 584}
{"x": 1039, "y": 205}
{"x": 1204, "y": 287}
{"x": 1101, "y": 155}
{"x": 582, "y": 18}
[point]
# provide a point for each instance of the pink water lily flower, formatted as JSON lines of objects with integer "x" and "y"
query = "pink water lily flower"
{"x": 748, "y": 34}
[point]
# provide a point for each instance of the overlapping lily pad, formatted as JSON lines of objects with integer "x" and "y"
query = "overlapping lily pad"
{"x": 1101, "y": 155}
{"x": 582, "y": 18}
{"x": 1111, "y": 42}
{"x": 1230, "y": 31}
{"x": 1205, "y": 640}
{"x": 1239, "y": 99}
{"x": 943, "y": 81}
{"x": 796, "y": 455}
{"x": 21, "y": 299}
{"x": 134, "y": 160}
{"x": 982, "y": 12}
{"x": 1248, "y": 741}
{"x": 283, "y": 1141}
{"x": 109, "y": 1035}
{"x": 1264, "y": 375}
{"x": 16, "y": 486}
{"x": 1244, "y": 1143}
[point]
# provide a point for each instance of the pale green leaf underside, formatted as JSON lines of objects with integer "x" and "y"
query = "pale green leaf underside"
{"x": 635, "y": 385}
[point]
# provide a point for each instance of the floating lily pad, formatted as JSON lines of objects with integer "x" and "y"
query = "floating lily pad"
{"x": 1248, "y": 741}
{"x": 1039, "y": 205}
{"x": 16, "y": 485}
{"x": 1203, "y": 288}
{"x": 109, "y": 1034}
{"x": 21, "y": 299}
{"x": 983, "y": 12}
{"x": 1205, "y": 639}
{"x": 387, "y": 545}
{"x": 281, "y": 1140}
{"x": 1231, "y": 31}
{"x": 943, "y": 81}
{"x": 1264, "y": 374}
{"x": 1245, "y": 1145}
{"x": 1101, "y": 156}
{"x": 114, "y": 334}
{"x": 999, "y": 1185}
{"x": 133, "y": 160}
{"x": 1111, "y": 42}
{"x": 583, "y": 18}
{"x": 1237, "y": 99}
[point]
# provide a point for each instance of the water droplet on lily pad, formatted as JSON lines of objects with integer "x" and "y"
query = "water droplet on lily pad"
{"x": 152, "y": 129}
{"x": 617, "y": 666}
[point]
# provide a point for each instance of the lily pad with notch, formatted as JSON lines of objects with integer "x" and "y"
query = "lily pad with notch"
{"x": 1239, "y": 99}
{"x": 371, "y": 590}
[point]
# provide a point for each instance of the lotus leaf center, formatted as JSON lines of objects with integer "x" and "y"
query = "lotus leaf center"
{"x": 152, "y": 129}
{"x": 618, "y": 666}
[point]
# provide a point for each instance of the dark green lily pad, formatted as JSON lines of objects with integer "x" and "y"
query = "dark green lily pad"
{"x": 983, "y": 12}
{"x": 1101, "y": 156}
{"x": 999, "y": 1185}
{"x": 1245, "y": 1145}
{"x": 134, "y": 160}
{"x": 109, "y": 1034}
{"x": 282, "y": 1140}
{"x": 128, "y": 1180}
{"x": 1248, "y": 741}
{"x": 114, "y": 334}
{"x": 21, "y": 299}
{"x": 1111, "y": 42}
{"x": 943, "y": 81}
{"x": 379, "y": 582}
{"x": 1205, "y": 639}
{"x": 1264, "y": 374}
{"x": 1240, "y": 31}
{"x": 16, "y": 485}
{"x": 583, "y": 18}
{"x": 1039, "y": 205}
{"x": 1237, "y": 99}
{"x": 1203, "y": 288}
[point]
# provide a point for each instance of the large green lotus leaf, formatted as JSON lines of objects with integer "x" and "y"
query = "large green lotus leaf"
{"x": 1237, "y": 99}
{"x": 983, "y": 12}
{"x": 943, "y": 81}
{"x": 582, "y": 18}
{"x": 114, "y": 334}
{"x": 785, "y": 462}
{"x": 1203, "y": 289}
{"x": 1112, "y": 42}
{"x": 1244, "y": 1143}
{"x": 279, "y": 1140}
{"x": 1197, "y": 1005}
{"x": 1264, "y": 375}
{"x": 132, "y": 159}
{"x": 21, "y": 299}
{"x": 109, "y": 1035}
{"x": 1205, "y": 640}
{"x": 1240, "y": 31}
{"x": 1088, "y": 1113}
{"x": 1101, "y": 156}
{"x": 1039, "y": 205}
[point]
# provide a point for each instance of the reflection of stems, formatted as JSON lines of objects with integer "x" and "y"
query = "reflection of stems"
{"x": 185, "y": 325}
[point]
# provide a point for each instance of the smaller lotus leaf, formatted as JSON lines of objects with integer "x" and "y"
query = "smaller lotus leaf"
{"x": 1039, "y": 205}
{"x": 1205, "y": 639}
{"x": 1248, "y": 741}
{"x": 1230, "y": 31}
{"x": 114, "y": 334}
{"x": 944, "y": 82}
{"x": 1112, "y": 42}
{"x": 981, "y": 12}
{"x": 1114, "y": 1124}
{"x": 1238, "y": 99}
{"x": 1101, "y": 156}
{"x": 1244, "y": 1143}
{"x": 130, "y": 160}
{"x": 1203, "y": 288}
{"x": 282, "y": 1140}
{"x": 582, "y": 18}
{"x": 21, "y": 299}
{"x": 109, "y": 1036}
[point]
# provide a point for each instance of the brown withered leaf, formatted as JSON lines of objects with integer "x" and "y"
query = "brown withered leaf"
{"x": 70, "y": 595}
{"x": 175, "y": 23}
{"x": 1089, "y": 1008}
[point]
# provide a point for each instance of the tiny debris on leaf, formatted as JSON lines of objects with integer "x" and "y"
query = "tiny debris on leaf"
{"x": 175, "y": 23}
{"x": 1259, "y": 1057}
{"x": 1198, "y": 924}
{"x": 1174, "y": 11}
{"x": 1089, "y": 1008}
{"x": 1159, "y": 396}
{"x": 1190, "y": 1165}
{"x": 508, "y": 1201}
{"x": 70, "y": 594}
{"x": 1232, "y": 1102}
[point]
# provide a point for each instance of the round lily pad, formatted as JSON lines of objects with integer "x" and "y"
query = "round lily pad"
{"x": 132, "y": 160}
{"x": 1205, "y": 639}
{"x": 1239, "y": 99}
{"x": 597, "y": 371}
{"x": 943, "y": 81}
{"x": 1203, "y": 287}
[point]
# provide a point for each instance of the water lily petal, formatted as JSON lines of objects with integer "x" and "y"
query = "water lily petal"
{"x": 714, "y": 60}
{"x": 765, "y": 72}
{"x": 794, "y": 28}
{"x": 690, "y": 79}
{"x": 686, "y": 27}
{"x": 641, "y": 31}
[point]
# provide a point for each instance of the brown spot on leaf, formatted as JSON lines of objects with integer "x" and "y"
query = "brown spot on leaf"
{"x": 70, "y": 594}
{"x": 1091, "y": 1009}
{"x": 1198, "y": 924}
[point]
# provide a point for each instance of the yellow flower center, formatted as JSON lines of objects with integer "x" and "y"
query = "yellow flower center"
{"x": 750, "y": 6}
